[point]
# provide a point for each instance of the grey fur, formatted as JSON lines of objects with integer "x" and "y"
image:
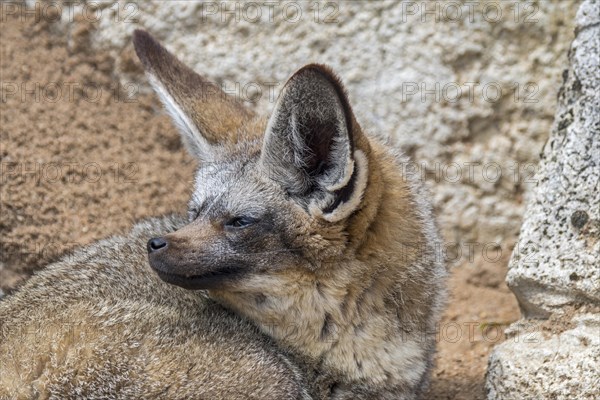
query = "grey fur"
{"x": 99, "y": 324}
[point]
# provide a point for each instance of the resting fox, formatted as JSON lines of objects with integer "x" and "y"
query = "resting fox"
{"x": 310, "y": 256}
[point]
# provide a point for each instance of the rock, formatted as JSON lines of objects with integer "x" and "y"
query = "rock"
{"x": 531, "y": 365}
{"x": 555, "y": 267}
{"x": 557, "y": 259}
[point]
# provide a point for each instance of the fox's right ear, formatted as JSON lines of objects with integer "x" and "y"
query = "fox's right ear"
{"x": 206, "y": 116}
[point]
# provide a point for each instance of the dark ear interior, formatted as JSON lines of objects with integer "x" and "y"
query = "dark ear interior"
{"x": 319, "y": 137}
{"x": 309, "y": 145}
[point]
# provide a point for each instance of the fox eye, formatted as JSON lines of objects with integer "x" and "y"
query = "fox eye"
{"x": 240, "y": 222}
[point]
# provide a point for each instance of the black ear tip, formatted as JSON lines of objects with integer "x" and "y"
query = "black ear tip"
{"x": 317, "y": 69}
{"x": 146, "y": 47}
{"x": 326, "y": 74}
{"x": 140, "y": 36}
{"x": 321, "y": 71}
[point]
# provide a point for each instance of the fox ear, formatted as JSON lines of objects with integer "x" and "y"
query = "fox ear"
{"x": 309, "y": 145}
{"x": 205, "y": 115}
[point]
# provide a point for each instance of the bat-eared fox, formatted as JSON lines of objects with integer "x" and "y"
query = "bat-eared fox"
{"x": 308, "y": 266}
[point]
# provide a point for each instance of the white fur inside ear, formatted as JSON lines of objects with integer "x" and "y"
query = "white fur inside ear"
{"x": 346, "y": 208}
{"x": 196, "y": 143}
{"x": 339, "y": 176}
{"x": 348, "y": 171}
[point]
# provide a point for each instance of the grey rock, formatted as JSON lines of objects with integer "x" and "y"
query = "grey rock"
{"x": 531, "y": 366}
{"x": 557, "y": 259}
{"x": 555, "y": 266}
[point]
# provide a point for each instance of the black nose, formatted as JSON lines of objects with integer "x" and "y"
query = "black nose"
{"x": 155, "y": 244}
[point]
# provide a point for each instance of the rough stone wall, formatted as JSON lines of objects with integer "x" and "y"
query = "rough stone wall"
{"x": 555, "y": 268}
{"x": 466, "y": 88}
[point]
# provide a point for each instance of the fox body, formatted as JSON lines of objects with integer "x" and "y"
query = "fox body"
{"x": 301, "y": 223}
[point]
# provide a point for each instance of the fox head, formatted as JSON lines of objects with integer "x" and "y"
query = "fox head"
{"x": 271, "y": 195}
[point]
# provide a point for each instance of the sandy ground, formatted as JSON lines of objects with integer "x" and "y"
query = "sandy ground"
{"x": 81, "y": 160}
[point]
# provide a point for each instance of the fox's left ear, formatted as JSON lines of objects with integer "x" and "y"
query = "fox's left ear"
{"x": 311, "y": 145}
